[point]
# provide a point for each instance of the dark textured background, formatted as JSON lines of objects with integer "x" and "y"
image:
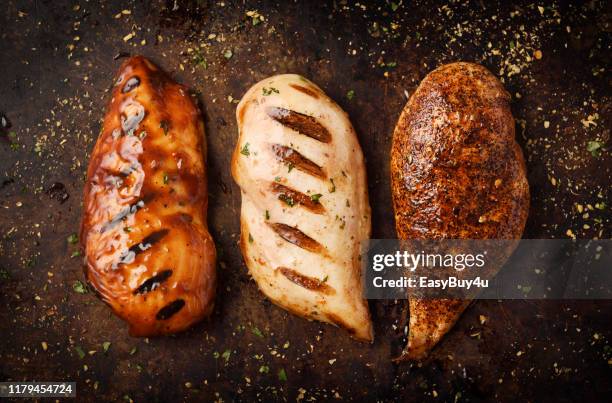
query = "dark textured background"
{"x": 57, "y": 63}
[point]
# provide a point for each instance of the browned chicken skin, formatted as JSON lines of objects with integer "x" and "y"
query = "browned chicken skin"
{"x": 148, "y": 251}
{"x": 456, "y": 173}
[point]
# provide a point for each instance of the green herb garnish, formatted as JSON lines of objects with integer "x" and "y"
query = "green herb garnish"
{"x": 315, "y": 198}
{"x": 594, "y": 147}
{"x": 72, "y": 239}
{"x": 79, "y": 287}
{"x": 80, "y": 352}
{"x": 257, "y": 332}
{"x": 287, "y": 199}
{"x": 245, "y": 150}
{"x": 269, "y": 91}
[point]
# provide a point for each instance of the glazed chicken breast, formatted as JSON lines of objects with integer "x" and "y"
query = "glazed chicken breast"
{"x": 456, "y": 173}
{"x": 305, "y": 206}
{"x": 148, "y": 251}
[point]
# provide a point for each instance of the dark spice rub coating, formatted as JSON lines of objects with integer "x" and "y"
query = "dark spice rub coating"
{"x": 456, "y": 173}
{"x": 148, "y": 251}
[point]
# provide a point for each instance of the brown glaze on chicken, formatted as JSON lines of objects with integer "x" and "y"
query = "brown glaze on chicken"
{"x": 148, "y": 251}
{"x": 456, "y": 173}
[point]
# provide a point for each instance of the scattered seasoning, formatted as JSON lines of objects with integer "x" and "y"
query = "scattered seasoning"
{"x": 350, "y": 94}
{"x": 165, "y": 125}
{"x": 127, "y": 229}
{"x": 594, "y": 147}
{"x": 290, "y": 167}
{"x": 269, "y": 91}
{"x": 216, "y": 354}
{"x": 332, "y": 188}
{"x": 75, "y": 253}
{"x": 325, "y": 279}
{"x": 79, "y": 287}
{"x": 282, "y": 375}
{"x": 267, "y": 215}
{"x": 257, "y": 332}
{"x": 200, "y": 60}
{"x": 287, "y": 199}
{"x": 44, "y": 345}
{"x": 165, "y": 178}
{"x": 72, "y": 239}
{"x": 256, "y": 18}
{"x": 277, "y": 179}
{"x": 264, "y": 369}
{"x": 106, "y": 345}
{"x": 245, "y": 150}
{"x": 228, "y": 54}
{"x": 80, "y": 352}
{"x": 133, "y": 350}
{"x": 226, "y": 355}
{"x": 250, "y": 238}
{"x": 315, "y": 197}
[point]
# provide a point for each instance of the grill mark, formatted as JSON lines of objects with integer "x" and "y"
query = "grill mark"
{"x": 307, "y": 282}
{"x": 152, "y": 283}
{"x": 127, "y": 211}
{"x": 169, "y": 310}
{"x": 303, "y": 124}
{"x": 296, "y": 237}
{"x": 305, "y": 90}
{"x": 290, "y": 156}
{"x": 293, "y": 197}
{"x": 129, "y": 255}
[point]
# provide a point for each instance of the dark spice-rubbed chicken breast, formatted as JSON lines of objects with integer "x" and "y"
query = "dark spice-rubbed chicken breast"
{"x": 148, "y": 251}
{"x": 305, "y": 206}
{"x": 456, "y": 173}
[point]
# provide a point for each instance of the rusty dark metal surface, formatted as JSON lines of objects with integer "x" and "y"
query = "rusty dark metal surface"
{"x": 57, "y": 60}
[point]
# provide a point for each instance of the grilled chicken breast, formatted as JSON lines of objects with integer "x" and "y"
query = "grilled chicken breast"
{"x": 456, "y": 173}
{"x": 305, "y": 206}
{"x": 148, "y": 251}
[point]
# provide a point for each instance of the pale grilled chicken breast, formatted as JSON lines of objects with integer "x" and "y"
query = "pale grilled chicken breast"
{"x": 148, "y": 251}
{"x": 305, "y": 206}
{"x": 456, "y": 173}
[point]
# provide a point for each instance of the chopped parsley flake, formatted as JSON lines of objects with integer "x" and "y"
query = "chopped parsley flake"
{"x": 594, "y": 147}
{"x": 269, "y": 91}
{"x": 79, "y": 287}
{"x": 315, "y": 198}
{"x": 80, "y": 352}
{"x": 282, "y": 375}
{"x": 245, "y": 150}
{"x": 287, "y": 199}
{"x": 72, "y": 239}
{"x": 350, "y": 94}
{"x": 257, "y": 332}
